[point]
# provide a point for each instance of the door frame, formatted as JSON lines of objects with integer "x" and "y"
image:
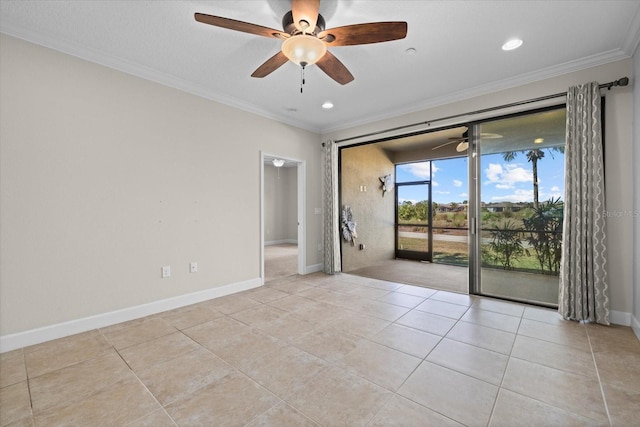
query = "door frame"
{"x": 301, "y": 167}
{"x": 415, "y": 255}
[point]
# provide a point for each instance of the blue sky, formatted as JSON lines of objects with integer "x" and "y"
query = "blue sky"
{"x": 500, "y": 180}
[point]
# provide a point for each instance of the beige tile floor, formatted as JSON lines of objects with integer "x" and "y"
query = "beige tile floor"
{"x": 334, "y": 351}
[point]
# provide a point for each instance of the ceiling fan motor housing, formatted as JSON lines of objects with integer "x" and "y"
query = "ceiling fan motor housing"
{"x": 289, "y": 26}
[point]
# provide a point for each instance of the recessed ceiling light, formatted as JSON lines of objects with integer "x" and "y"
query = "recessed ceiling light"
{"x": 410, "y": 51}
{"x": 327, "y": 105}
{"x": 538, "y": 140}
{"x": 512, "y": 44}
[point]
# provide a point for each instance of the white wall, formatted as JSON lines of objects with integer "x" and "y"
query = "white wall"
{"x": 106, "y": 177}
{"x": 619, "y": 163}
{"x": 280, "y": 204}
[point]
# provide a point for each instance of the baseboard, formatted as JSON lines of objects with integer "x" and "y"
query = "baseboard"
{"x": 635, "y": 325}
{"x": 64, "y": 329}
{"x": 313, "y": 268}
{"x": 281, "y": 242}
{"x": 620, "y": 318}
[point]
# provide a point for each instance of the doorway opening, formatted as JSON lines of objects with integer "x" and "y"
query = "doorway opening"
{"x": 480, "y": 203}
{"x": 399, "y": 238}
{"x": 282, "y": 217}
{"x": 414, "y": 232}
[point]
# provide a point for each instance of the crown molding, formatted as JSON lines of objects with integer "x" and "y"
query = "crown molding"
{"x": 630, "y": 44}
{"x": 521, "y": 80}
{"x": 632, "y": 40}
{"x": 143, "y": 72}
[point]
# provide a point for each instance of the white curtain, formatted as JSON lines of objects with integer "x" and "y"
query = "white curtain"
{"x": 332, "y": 263}
{"x": 584, "y": 293}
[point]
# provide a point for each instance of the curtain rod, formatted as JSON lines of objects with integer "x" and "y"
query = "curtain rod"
{"x": 624, "y": 81}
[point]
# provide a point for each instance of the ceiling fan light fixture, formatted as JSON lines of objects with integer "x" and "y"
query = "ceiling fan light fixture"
{"x": 278, "y": 163}
{"x": 462, "y": 147}
{"x": 303, "y": 49}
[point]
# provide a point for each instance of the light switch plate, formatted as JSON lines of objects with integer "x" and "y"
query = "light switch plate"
{"x": 166, "y": 271}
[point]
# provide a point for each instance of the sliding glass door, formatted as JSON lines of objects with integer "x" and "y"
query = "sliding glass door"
{"x": 519, "y": 164}
{"x": 414, "y": 239}
{"x": 450, "y": 209}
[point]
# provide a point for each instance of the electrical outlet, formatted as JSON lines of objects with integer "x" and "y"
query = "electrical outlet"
{"x": 193, "y": 267}
{"x": 166, "y": 271}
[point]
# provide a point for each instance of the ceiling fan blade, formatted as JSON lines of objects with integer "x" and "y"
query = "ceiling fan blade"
{"x": 305, "y": 10}
{"x": 445, "y": 144}
{"x": 334, "y": 68}
{"x": 270, "y": 65}
{"x": 245, "y": 27}
{"x": 373, "y": 32}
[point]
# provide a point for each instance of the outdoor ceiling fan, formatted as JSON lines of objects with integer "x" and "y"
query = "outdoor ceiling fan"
{"x": 306, "y": 40}
{"x": 463, "y": 142}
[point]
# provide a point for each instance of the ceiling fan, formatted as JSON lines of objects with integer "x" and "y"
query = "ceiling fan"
{"x": 306, "y": 39}
{"x": 463, "y": 142}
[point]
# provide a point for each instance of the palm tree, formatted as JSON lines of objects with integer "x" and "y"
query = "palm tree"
{"x": 532, "y": 156}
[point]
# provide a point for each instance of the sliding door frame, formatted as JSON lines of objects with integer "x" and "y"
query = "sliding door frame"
{"x": 475, "y": 195}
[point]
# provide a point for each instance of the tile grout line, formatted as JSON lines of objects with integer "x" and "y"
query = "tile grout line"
{"x": 28, "y": 380}
{"x": 595, "y": 363}
{"x": 154, "y": 398}
{"x": 493, "y": 409}
{"x": 137, "y": 378}
{"x": 424, "y": 359}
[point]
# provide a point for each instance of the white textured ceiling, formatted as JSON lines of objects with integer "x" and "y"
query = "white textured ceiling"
{"x": 457, "y": 46}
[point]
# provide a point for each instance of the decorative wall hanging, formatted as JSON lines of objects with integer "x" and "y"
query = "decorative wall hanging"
{"x": 387, "y": 183}
{"x": 348, "y": 225}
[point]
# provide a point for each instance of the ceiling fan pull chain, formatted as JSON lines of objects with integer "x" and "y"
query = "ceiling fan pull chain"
{"x": 302, "y": 77}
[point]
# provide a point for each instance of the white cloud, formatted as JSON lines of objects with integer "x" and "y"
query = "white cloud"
{"x": 493, "y": 172}
{"x": 507, "y": 176}
{"x": 443, "y": 192}
{"x": 465, "y": 195}
{"x": 420, "y": 170}
{"x": 516, "y": 196}
{"x": 434, "y": 183}
{"x": 554, "y": 194}
{"x": 457, "y": 183}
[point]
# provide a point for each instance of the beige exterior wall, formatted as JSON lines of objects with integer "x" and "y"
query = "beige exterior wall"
{"x": 106, "y": 177}
{"x": 619, "y": 161}
{"x": 374, "y": 214}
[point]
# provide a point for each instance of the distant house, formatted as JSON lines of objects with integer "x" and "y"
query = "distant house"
{"x": 504, "y": 207}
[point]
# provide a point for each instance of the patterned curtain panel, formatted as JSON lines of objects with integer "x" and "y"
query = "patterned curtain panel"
{"x": 331, "y": 210}
{"x": 584, "y": 294}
